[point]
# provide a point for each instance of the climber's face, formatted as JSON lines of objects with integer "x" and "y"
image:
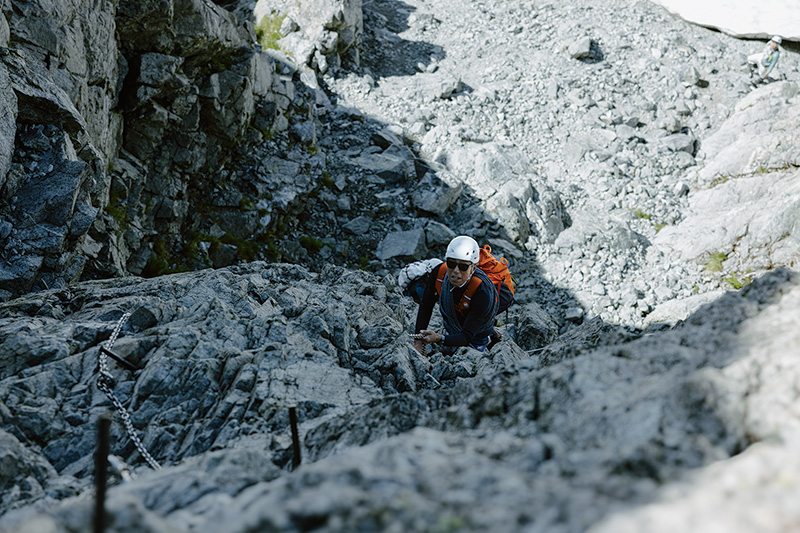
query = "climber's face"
{"x": 459, "y": 271}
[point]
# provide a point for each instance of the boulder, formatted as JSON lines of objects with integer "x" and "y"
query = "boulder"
{"x": 580, "y": 48}
{"x": 358, "y": 226}
{"x": 437, "y": 234}
{"x": 679, "y": 142}
{"x": 407, "y": 245}
{"x": 394, "y": 167}
{"x": 436, "y": 199}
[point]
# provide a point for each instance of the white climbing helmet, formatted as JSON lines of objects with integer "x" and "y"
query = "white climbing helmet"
{"x": 777, "y": 39}
{"x": 463, "y": 248}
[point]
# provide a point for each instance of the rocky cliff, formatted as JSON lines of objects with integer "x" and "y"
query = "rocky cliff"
{"x": 222, "y": 193}
{"x": 143, "y": 138}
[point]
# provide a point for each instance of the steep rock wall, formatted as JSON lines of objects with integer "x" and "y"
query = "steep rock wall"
{"x": 134, "y": 131}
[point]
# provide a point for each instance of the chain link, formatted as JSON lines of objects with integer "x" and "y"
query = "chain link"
{"x": 416, "y": 336}
{"x": 105, "y": 382}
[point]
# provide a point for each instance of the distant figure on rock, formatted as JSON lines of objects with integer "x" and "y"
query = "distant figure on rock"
{"x": 467, "y": 298}
{"x": 766, "y": 60}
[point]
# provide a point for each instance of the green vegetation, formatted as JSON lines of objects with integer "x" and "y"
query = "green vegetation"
{"x": 245, "y": 250}
{"x": 327, "y": 180}
{"x": 447, "y": 523}
{"x": 268, "y": 31}
{"x": 714, "y": 263}
{"x": 311, "y": 244}
{"x": 362, "y": 262}
{"x": 641, "y": 214}
{"x": 719, "y": 180}
{"x": 117, "y": 211}
{"x": 660, "y": 226}
{"x": 273, "y": 254}
{"x": 312, "y": 149}
{"x": 246, "y": 204}
{"x": 159, "y": 261}
{"x": 734, "y": 281}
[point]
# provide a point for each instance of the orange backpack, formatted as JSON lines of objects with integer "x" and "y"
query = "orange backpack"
{"x": 497, "y": 271}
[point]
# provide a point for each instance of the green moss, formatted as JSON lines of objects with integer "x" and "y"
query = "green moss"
{"x": 714, "y": 263}
{"x": 362, "y": 262}
{"x": 246, "y": 204}
{"x": 116, "y": 210}
{"x": 734, "y": 281}
{"x": 268, "y": 30}
{"x": 312, "y": 149}
{"x": 311, "y": 244}
{"x": 273, "y": 254}
{"x": 245, "y": 250}
{"x": 448, "y": 523}
{"x": 159, "y": 260}
{"x": 327, "y": 180}
{"x": 659, "y": 226}
{"x": 719, "y": 180}
{"x": 638, "y": 213}
{"x": 156, "y": 266}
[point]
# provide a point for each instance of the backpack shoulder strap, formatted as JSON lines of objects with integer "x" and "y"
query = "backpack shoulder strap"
{"x": 440, "y": 274}
{"x": 466, "y": 299}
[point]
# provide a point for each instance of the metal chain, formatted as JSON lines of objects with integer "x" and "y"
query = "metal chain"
{"x": 105, "y": 382}
{"x": 420, "y": 336}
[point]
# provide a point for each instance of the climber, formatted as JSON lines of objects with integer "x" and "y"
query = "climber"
{"x": 468, "y": 320}
{"x": 766, "y": 60}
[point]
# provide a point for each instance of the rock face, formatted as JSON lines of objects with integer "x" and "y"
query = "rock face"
{"x": 739, "y": 17}
{"x": 598, "y": 421}
{"x": 618, "y": 157}
{"x": 747, "y": 203}
{"x": 320, "y": 34}
{"x": 118, "y": 127}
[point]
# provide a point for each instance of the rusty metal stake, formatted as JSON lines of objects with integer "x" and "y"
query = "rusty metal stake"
{"x": 295, "y": 438}
{"x": 101, "y": 470}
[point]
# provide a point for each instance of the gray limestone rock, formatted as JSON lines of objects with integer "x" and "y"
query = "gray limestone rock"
{"x": 436, "y": 200}
{"x": 679, "y": 142}
{"x": 748, "y": 200}
{"x": 403, "y": 244}
{"x": 327, "y": 31}
{"x": 4, "y": 31}
{"x": 39, "y": 99}
{"x": 437, "y": 234}
{"x": 395, "y": 165}
{"x": 358, "y": 226}
{"x": 580, "y": 48}
{"x": 580, "y": 175}
{"x": 8, "y": 120}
